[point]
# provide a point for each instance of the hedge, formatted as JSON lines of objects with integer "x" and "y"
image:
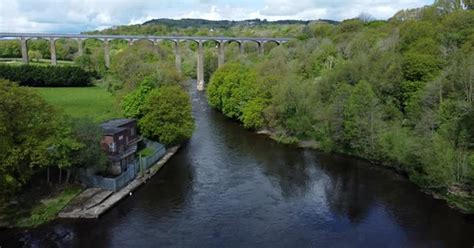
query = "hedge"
{"x": 46, "y": 76}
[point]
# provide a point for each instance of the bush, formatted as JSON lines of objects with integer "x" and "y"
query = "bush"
{"x": 167, "y": 115}
{"x": 46, "y": 76}
{"x": 134, "y": 101}
{"x": 231, "y": 87}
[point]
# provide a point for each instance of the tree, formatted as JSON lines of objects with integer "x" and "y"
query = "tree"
{"x": 85, "y": 62}
{"x": 88, "y": 153}
{"x": 10, "y": 49}
{"x": 134, "y": 101}
{"x": 231, "y": 87}
{"x": 420, "y": 67}
{"x": 35, "y": 55}
{"x": 132, "y": 64}
{"x": 31, "y": 137}
{"x": 253, "y": 113}
{"x": 362, "y": 119}
{"x": 167, "y": 115}
{"x": 292, "y": 108}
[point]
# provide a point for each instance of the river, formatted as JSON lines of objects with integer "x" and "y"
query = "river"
{"x": 228, "y": 187}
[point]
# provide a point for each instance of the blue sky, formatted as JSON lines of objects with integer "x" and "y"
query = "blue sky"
{"x": 73, "y": 16}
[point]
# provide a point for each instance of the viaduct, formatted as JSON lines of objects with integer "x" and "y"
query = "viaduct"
{"x": 221, "y": 41}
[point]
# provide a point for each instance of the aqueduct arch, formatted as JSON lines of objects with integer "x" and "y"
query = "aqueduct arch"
{"x": 200, "y": 40}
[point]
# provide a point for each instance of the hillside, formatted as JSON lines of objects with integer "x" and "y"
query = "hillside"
{"x": 187, "y": 23}
{"x": 253, "y": 27}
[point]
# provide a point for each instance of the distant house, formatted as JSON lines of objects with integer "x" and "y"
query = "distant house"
{"x": 120, "y": 141}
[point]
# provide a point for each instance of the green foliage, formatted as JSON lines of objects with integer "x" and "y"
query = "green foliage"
{"x": 420, "y": 67}
{"x": 167, "y": 115}
{"x": 48, "y": 209}
{"x": 362, "y": 119}
{"x": 398, "y": 92}
{"x": 293, "y": 105}
{"x": 400, "y": 146}
{"x": 134, "y": 101}
{"x": 231, "y": 87}
{"x": 31, "y": 135}
{"x": 10, "y": 49}
{"x": 252, "y": 113}
{"x": 438, "y": 165}
{"x": 88, "y": 134}
{"x": 46, "y": 76}
{"x": 133, "y": 63}
{"x": 210, "y": 64}
{"x": 35, "y": 55}
{"x": 92, "y": 61}
{"x": 147, "y": 151}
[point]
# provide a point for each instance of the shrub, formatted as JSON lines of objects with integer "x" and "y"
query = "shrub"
{"x": 46, "y": 76}
{"x": 167, "y": 115}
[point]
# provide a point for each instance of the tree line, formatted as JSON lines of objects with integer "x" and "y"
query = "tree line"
{"x": 397, "y": 92}
{"x": 47, "y": 76}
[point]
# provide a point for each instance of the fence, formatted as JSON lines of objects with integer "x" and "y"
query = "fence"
{"x": 115, "y": 183}
{"x": 159, "y": 151}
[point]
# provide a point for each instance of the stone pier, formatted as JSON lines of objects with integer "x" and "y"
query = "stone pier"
{"x": 80, "y": 49}
{"x": 241, "y": 47}
{"x": 52, "y": 49}
{"x": 200, "y": 67}
{"x": 106, "y": 53}
{"x": 24, "y": 51}
{"x": 221, "y": 56}
{"x": 261, "y": 48}
{"x": 177, "y": 57}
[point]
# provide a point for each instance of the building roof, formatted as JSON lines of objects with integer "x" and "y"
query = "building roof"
{"x": 114, "y": 126}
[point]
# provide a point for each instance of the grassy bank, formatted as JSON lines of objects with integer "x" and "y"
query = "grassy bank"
{"x": 35, "y": 210}
{"x": 47, "y": 209}
{"x": 94, "y": 102}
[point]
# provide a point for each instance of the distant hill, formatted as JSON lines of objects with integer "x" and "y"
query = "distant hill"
{"x": 190, "y": 23}
{"x": 253, "y": 27}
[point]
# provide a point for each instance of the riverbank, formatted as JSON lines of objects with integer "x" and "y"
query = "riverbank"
{"x": 455, "y": 197}
{"x": 93, "y": 202}
{"x": 72, "y": 201}
{"x": 31, "y": 211}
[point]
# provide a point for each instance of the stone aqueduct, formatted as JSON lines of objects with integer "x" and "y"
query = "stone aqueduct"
{"x": 221, "y": 41}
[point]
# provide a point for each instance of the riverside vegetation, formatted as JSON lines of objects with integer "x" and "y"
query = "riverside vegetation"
{"x": 48, "y": 133}
{"x": 396, "y": 92}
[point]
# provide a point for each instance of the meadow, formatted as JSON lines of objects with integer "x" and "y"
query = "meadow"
{"x": 94, "y": 102}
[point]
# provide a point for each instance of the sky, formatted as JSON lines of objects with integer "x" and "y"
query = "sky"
{"x": 74, "y": 16}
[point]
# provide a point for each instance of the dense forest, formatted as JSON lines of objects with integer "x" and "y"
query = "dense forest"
{"x": 398, "y": 92}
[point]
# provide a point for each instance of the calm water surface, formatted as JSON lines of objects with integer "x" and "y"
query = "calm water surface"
{"x": 228, "y": 187}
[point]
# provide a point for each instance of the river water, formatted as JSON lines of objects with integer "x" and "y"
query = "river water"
{"x": 228, "y": 187}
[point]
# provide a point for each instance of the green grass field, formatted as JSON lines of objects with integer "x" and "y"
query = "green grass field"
{"x": 94, "y": 102}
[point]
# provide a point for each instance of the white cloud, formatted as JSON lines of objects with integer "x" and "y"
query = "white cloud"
{"x": 80, "y": 15}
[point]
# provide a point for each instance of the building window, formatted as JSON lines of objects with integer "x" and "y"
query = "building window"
{"x": 112, "y": 147}
{"x": 132, "y": 131}
{"x": 121, "y": 137}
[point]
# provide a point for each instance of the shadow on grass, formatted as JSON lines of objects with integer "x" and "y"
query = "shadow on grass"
{"x": 36, "y": 205}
